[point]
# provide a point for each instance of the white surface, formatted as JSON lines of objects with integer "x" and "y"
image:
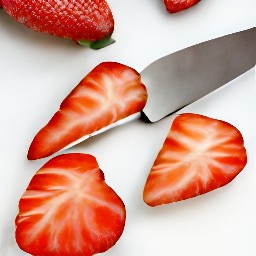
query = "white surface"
{"x": 37, "y": 71}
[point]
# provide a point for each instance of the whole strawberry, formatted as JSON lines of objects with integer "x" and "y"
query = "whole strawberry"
{"x": 89, "y": 22}
{"x": 173, "y": 6}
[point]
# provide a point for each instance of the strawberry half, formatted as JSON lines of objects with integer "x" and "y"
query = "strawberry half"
{"x": 68, "y": 209}
{"x": 173, "y": 6}
{"x": 200, "y": 154}
{"x": 87, "y": 21}
{"x": 110, "y": 92}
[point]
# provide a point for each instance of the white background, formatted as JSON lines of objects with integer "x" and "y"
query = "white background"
{"x": 37, "y": 72}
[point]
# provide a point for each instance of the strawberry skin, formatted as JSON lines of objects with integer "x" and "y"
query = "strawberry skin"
{"x": 200, "y": 154}
{"x": 173, "y": 6}
{"x": 90, "y": 20}
{"x": 110, "y": 92}
{"x": 69, "y": 210}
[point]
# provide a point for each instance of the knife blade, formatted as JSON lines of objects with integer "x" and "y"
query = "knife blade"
{"x": 183, "y": 77}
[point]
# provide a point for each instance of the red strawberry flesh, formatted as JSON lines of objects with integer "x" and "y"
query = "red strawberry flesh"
{"x": 110, "y": 92}
{"x": 200, "y": 154}
{"x": 68, "y": 209}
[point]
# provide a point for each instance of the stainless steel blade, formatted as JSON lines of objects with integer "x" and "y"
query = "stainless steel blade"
{"x": 181, "y": 78}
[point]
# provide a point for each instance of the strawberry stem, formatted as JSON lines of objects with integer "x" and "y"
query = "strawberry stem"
{"x": 97, "y": 44}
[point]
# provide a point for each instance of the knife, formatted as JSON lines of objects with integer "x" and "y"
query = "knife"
{"x": 185, "y": 76}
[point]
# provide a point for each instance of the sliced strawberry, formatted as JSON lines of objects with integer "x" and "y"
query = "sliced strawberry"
{"x": 173, "y": 6}
{"x": 68, "y": 209}
{"x": 110, "y": 92}
{"x": 85, "y": 20}
{"x": 199, "y": 154}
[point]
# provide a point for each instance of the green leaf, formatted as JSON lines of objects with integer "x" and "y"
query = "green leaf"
{"x": 97, "y": 44}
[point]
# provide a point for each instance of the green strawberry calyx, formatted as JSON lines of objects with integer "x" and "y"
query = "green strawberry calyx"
{"x": 97, "y": 44}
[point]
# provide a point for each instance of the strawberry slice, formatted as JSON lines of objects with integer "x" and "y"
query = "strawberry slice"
{"x": 110, "y": 92}
{"x": 87, "y": 21}
{"x": 200, "y": 154}
{"x": 68, "y": 209}
{"x": 173, "y": 6}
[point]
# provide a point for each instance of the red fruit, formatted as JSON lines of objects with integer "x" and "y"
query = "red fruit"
{"x": 110, "y": 92}
{"x": 89, "y": 20}
{"x": 199, "y": 154}
{"x": 69, "y": 210}
{"x": 173, "y": 6}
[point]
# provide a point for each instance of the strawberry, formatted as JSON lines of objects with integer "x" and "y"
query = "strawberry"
{"x": 173, "y": 6}
{"x": 68, "y": 209}
{"x": 110, "y": 92}
{"x": 200, "y": 154}
{"x": 86, "y": 21}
